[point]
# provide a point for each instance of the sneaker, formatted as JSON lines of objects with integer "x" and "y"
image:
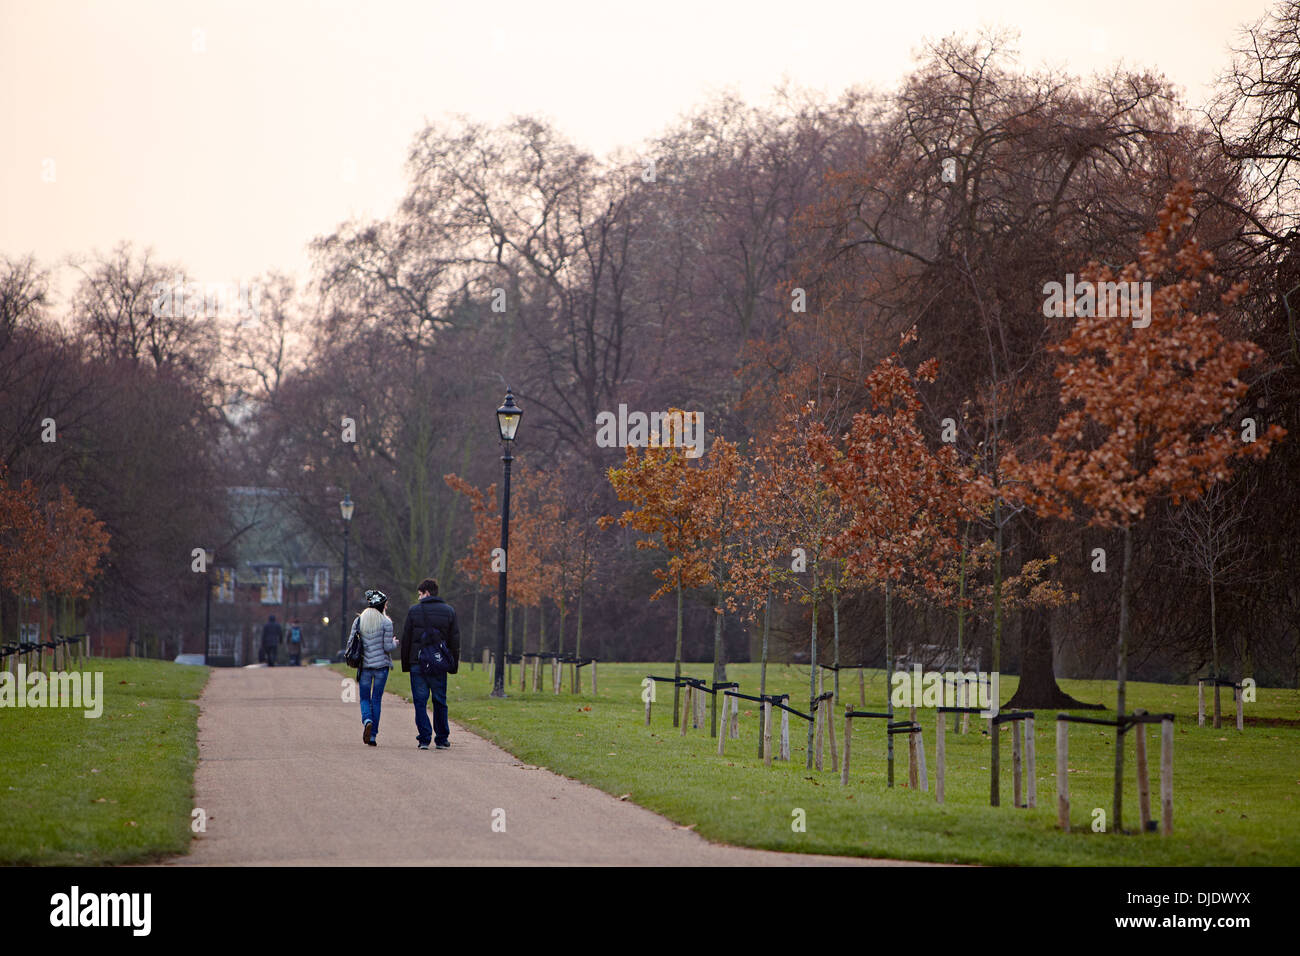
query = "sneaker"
{"x": 365, "y": 732}
{"x": 424, "y": 746}
{"x": 443, "y": 746}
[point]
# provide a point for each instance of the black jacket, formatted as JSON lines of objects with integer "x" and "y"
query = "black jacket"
{"x": 438, "y": 618}
{"x": 271, "y": 634}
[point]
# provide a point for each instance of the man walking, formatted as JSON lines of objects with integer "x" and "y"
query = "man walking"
{"x": 271, "y": 634}
{"x": 430, "y": 620}
{"x": 295, "y": 644}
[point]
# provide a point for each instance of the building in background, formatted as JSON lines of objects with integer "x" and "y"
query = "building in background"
{"x": 274, "y": 566}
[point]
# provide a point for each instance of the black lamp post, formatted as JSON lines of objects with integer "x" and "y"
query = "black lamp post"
{"x": 208, "y": 557}
{"x": 508, "y": 416}
{"x": 345, "y": 508}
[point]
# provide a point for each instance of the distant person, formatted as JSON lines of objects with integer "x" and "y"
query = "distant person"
{"x": 295, "y": 644}
{"x": 430, "y": 620}
{"x": 271, "y": 636}
{"x": 376, "y": 630}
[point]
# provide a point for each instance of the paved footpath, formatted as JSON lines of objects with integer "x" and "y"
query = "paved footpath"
{"x": 285, "y": 780}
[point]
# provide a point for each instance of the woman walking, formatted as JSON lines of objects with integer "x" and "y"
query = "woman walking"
{"x": 376, "y": 630}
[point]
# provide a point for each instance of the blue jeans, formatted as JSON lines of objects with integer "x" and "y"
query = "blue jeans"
{"x": 371, "y": 684}
{"x": 421, "y": 687}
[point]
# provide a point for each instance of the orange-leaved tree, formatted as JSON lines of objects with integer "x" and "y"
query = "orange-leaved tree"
{"x": 47, "y": 547}
{"x": 1145, "y": 410}
{"x": 905, "y": 501}
{"x": 720, "y": 517}
{"x": 798, "y": 499}
{"x": 476, "y": 565}
{"x": 660, "y": 483}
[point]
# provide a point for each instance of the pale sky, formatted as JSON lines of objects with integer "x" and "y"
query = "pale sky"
{"x": 228, "y": 134}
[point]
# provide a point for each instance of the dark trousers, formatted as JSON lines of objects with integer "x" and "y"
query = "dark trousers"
{"x": 271, "y": 652}
{"x": 421, "y": 689}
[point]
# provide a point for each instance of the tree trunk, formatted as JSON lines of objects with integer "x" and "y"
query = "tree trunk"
{"x": 473, "y": 628}
{"x": 559, "y": 640}
{"x": 812, "y": 662}
{"x": 889, "y": 676}
{"x": 677, "y": 657}
{"x": 961, "y": 623}
{"x": 719, "y": 651}
{"x": 1038, "y": 688}
{"x": 995, "y": 756}
{"x": 835, "y": 618}
{"x": 762, "y": 670}
{"x": 1121, "y": 675}
{"x": 577, "y": 638}
{"x": 1214, "y": 655}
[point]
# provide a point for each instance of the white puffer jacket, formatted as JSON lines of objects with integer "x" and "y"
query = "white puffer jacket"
{"x": 377, "y": 648}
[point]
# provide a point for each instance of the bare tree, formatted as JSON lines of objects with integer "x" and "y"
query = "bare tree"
{"x": 1210, "y": 540}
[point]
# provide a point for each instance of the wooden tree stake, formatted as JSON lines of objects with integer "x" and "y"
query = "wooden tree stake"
{"x": 1015, "y": 764}
{"x": 1063, "y": 775}
{"x": 1144, "y": 781}
{"x": 941, "y": 734}
{"x": 1166, "y": 777}
{"x": 829, "y": 721}
{"x": 848, "y": 739}
{"x": 767, "y": 733}
{"x": 911, "y": 753}
{"x": 817, "y": 722}
{"x": 1031, "y": 763}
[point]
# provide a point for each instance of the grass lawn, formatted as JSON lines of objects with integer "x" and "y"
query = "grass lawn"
{"x": 1236, "y": 795}
{"x": 112, "y": 789}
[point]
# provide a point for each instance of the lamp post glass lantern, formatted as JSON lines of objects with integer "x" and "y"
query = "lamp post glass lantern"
{"x": 508, "y": 416}
{"x": 346, "y": 507}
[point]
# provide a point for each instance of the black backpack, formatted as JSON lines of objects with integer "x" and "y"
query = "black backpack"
{"x": 356, "y": 650}
{"x": 434, "y": 658}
